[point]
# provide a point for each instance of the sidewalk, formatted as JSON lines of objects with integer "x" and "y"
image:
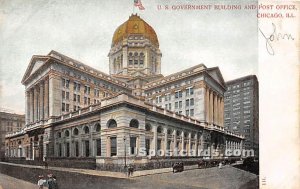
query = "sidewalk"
{"x": 103, "y": 173}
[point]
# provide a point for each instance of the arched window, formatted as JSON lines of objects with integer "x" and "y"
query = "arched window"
{"x": 59, "y": 134}
{"x": 136, "y": 58}
{"x": 130, "y": 58}
{"x": 86, "y": 130}
{"x": 75, "y": 131}
{"x": 67, "y": 133}
{"x": 159, "y": 129}
{"x": 177, "y": 133}
{"x": 142, "y": 57}
{"x": 148, "y": 127}
{"x": 111, "y": 123}
{"x": 169, "y": 131}
{"x": 97, "y": 127}
{"x": 134, "y": 123}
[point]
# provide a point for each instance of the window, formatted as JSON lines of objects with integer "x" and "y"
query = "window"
{"x": 67, "y": 107}
{"x": 191, "y": 112}
{"x": 86, "y": 130}
{"x": 98, "y": 147}
{"x": 67, "y": 133}
{"x": 134, "y": 123}
{"x": 187, "y": 112}
{"x": 189, "y": 91}
{"x": 192, "y": 102}
{"x": 75, "y": 131}
{"x": 147, "y": 145}
{"x": 87, "y": 90}
{"x": 113, "y": 146}
{"x": 68, "y": 149}
{"x": 158, "y": 144}
{"x": 170, "y": 106}
{"x": 63, "y": 107}
{"x": 65, "y": 83}
{"x": 85, "y": 100}
{"x": 132, "y": 145}
{"x": 76, "y": 149}
{"x": 159, "y": 129}
{"x": 180, "y": 104}
{"x": 67, "y": 95}
{"x": 176, "y": 105}
{"x": 87, "y": 148}
{"x": 74, "y": 97}
{"x": 148, "y": 127}
{"x": 112, "y": 123}
{"x": 78, "y": 98}
{"x": 187, "y": 102}
{"x": 178, "y": 94}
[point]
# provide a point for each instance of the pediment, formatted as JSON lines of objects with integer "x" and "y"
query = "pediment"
{"x": 35, "y": 63}
{"x": 216, "y": 75}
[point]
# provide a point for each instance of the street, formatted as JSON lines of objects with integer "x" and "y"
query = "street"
{"x": 212, "y": 178}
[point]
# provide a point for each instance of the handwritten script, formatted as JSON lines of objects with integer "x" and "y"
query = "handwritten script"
{"x": 275, "y": 36}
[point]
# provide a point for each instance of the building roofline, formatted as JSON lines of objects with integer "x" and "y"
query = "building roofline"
{"x": 241, "y": 79}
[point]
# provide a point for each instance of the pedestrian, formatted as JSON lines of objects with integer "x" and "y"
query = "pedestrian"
{"x": 130, "y": 170}
{"x": 220, "y": 165}
{"x": 41, "y": 182}
{"x": 51, "y": 182}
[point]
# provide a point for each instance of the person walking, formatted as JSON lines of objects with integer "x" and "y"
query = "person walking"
{"x": 51, "y": 182}
{"x": 41, "y": 182}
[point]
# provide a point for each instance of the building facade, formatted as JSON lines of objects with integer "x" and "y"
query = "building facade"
{"x": 73, "y": 110}
{"x": 9, "y": 123}
{"x": 242, "y": 110}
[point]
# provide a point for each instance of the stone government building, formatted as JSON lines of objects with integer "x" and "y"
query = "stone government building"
{"x": 73, "y": 110}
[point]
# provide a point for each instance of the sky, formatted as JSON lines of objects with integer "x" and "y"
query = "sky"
{"x": 83, "y": 30}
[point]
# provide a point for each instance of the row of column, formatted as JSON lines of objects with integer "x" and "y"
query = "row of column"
{"x": 233, "y": 145}
{"x": 37, "y": 102}
{"x": 214, "y": 107}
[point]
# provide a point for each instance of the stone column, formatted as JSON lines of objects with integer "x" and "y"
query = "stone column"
{"x": 222, "y": 111}
{"x": 189, "y": 144}
{"x": 211, "y": 107}
{"x": 166, "y": 140}
{"x": 207, "y": 104}
{"x": 27, "y": 107}
{"x": 182, "y": 142}
{"x": 46, "y": 99}
{"x": 41, "y": 101}
{"x": 174, "y": 141}
{"x": 154, "y": 141}
{"x": 36, "y": 113}
{"x": 196, "y": 145}
{"x": 125, "y": 59}
{"x": 33, "y": 105}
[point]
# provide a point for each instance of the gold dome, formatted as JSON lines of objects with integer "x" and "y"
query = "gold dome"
{"x": 135, "y": 25}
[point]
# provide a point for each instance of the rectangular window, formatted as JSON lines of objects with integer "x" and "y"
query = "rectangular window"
{"x": 67, "y": 95}
{"x": 67, "y": 107}
{"x": 76, "y": 149}
{"x": 132, "y": 145}
{"x": 176, "y": 105}
{"x": 170, "y": 106}
{"x": 63, "y": 107}
{"x": 147, "y": 145}
{"x": 187, "y": 102}
{"x": 68, "y": 149}
{"x": 158, "y": 144}
{"x": 74, "y": 108}
{"x": 85, "y": 100}
{"x": 98, "y": 146}
{"x": 113, "y": 146}
{"x": 89, "y": 101}
{"x": 180, "y": 104}
{"x": 187, "y": 112}
{"x": 59, "y": 150}
{"x": 78, "y": 98}
{"x": 87, "y": 148}
{"x": 191, "y": 112}
{"x": 191, "y": 102}
{"x": 74, "y": 97}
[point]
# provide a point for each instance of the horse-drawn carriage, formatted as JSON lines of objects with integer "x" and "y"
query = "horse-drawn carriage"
{"x": 178, "y": 167}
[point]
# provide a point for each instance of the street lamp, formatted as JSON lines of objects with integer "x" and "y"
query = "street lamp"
{"x": 124, "y": 138}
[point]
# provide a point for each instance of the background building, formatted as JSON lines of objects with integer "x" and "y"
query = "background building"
{"x": 242, "y": 109}
{"x": 9, "y": 123}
